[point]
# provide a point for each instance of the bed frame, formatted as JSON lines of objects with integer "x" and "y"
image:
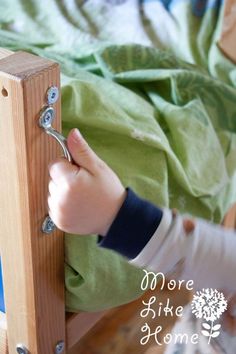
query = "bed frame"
{"x": 32, "y": 261}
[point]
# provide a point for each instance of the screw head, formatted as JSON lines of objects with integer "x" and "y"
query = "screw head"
{"x": 60, "y": 347}
{"x": 48, "y": 225}
{"x": 52, "y": 94}
{"x": 21, "y": 349}
{"x": 46, "y": 117}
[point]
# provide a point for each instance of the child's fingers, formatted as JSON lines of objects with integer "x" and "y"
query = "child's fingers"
{"x": 54, "y": 209}
{"x": 54, "y": 215}
{"x": 50, "y": 204}
{"x": 81, "y": 152}
{"x": 58, "y": 216}
{"x": 61, "y": 169}
{"x": 52, "y": 187}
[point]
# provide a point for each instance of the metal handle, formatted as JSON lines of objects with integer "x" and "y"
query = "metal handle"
{"x": 61, "y": 140}
{"x": 45, "y": 121}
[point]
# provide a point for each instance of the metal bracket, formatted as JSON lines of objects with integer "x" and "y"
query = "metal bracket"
{"x": 21, "y": 349}
{"x": 45, "y": 122}
{"x": 46, "y": 118}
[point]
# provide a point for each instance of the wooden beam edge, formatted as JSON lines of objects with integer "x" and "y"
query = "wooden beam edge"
{"x": 78, "y": 324}
{"x": 5, "y": 53}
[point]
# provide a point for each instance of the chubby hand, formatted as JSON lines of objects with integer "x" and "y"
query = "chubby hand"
{"x": 84, "y": 197}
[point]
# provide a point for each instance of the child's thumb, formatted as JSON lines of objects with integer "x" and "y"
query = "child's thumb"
{"x": 81, "y": 152}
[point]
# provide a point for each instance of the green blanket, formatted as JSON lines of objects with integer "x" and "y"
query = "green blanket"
{"x": 165, "y": 126}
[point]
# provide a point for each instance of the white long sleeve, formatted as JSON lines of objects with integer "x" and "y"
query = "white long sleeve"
{"x": 206, "y": 255}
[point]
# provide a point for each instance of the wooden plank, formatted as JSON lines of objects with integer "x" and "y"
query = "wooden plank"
{"x": 33, "y": 262}
{"x": 3, "y": 334}
{"x": 78, "y": 324}
{"x": 119, "y": 331}
{"x": 5, "y": 53}
{"x": 227, "y": 42}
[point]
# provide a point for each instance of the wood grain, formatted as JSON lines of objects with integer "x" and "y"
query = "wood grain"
{"x": 33, "y": 263}
{"x": 119, "y": 331}
{"x": 78, "y": 324}
{"x": 5, "y": 53}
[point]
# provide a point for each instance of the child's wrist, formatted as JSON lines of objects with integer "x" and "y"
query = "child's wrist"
{"x": 114, "y": 211}
{"x": 134, "y": 225}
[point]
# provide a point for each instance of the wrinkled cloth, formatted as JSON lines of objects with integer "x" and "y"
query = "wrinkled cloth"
{"x": 165, "y": 126}
{"x": 71, "y": 31}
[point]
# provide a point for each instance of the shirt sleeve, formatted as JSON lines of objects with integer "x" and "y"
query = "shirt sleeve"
{"x": 133, "y": 227}
{"x": 159, "y": 241}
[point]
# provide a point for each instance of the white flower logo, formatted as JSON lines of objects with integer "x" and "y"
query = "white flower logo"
{"x": 209, "y": 304}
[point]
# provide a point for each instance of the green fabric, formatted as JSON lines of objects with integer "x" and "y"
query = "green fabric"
{"x": 71, "y": 31}
{"x": 165, "y": 126}
{"x": 167, "y": 132}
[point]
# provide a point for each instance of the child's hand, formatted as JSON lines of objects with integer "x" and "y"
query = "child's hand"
{"x": 84, "y": 197}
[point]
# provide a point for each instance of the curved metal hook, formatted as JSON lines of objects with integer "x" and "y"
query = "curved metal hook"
{"x": 61, "y": 140}
{"x": 45, "y": 122}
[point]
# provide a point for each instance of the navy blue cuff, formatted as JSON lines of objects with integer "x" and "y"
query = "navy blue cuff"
{"x": 134, "y": 225}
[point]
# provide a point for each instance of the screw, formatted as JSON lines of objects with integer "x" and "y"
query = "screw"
{"x": 21, "y": 349}
{"x": 52, "y": 94}
{"x": 60, "y": 347}
{"x": 48, "y": 225}
{"x": 46, "y": 117}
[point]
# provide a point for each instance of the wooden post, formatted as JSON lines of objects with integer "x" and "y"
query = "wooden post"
{"x": 33, "y": 262}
